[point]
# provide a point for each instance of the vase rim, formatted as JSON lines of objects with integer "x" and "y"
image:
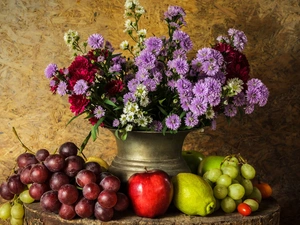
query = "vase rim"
{"x": 156, "y": 132}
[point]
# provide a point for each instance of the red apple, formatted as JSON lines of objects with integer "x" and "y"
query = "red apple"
{"x": 150, "y": 192}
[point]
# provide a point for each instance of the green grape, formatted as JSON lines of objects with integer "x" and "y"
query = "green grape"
{"x": 233, "y": 161}
{"x": 247, "y": 184}
{"x": 256, "y": 195}
{"x": 228, "y": 205}
{"x": 232, "y": 171}
{"x": 213, "y": 174}
{"x": 25, "y": 197}
{"x": 239, "y": 178}
{"x": 220, "y": 191}
{"x": 236, "y": 191}
{"x": 17, "y": 211}
{"x": 252, "y": 203}
{"x": 248, "y": 172}
{"x": 224, "y": 179}
{"x": 237, "y": 202}
{"x": 5, "y": 210}
{"x": 14, "y": 221}
{"x": 218, "y": 205}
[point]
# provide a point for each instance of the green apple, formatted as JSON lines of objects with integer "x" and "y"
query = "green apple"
{"x": 193, "y": 159}
{"x": 210, "y": 162}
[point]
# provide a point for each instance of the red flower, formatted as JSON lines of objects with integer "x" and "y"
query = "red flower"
{"x": 81, "y": 68}
{"x": 114, "y": 87}
{"x": 236, "y": 62}
{"x": 78, "y": 103}
{"x": 94, "y": 120}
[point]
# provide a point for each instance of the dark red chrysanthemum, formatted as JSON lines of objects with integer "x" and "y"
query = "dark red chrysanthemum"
{"x": 81, "y": 68}
{"x": 114, "y": 87}
{"x": 236, "y": 62}
{"x": 78, "y": 103}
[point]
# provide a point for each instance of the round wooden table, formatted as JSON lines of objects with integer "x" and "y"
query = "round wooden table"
{"x": 268, "y": 214}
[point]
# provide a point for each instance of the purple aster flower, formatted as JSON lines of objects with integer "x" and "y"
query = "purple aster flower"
{"x": 109, "y": 46}
{"x": 100, "y": 58}
{"x": 180, "y": 65}
{"x": 214, "y": 91}
{"x": 200, "y": 89}
{"x": 174, "y": 11}
{"x": 129, "y": 97}
{"x": 142, "y": 74}
{"x": 150, "y": 84}
{"x": 183, "y": 39}
{"x": 115, "y": 68}
{"x": 198, "y": 106}
{"x": 184, "y": 86}
{"x": 96, "y": 41}
{"x": 80, "y": 87}
{"x": 249, "y": 109}
{"x": 99, "y": 112}
{"x": 230, "y": 110}
{"x": 62, "y": 88}
{"x": 239, "y": 99}
{"x": 179, "y": 53}
{"x": 185, "y": 102}
{"x": 156, "y": 125}
{"x": 173, "y": 122}
{"x": 191, "y": 120}
{"x": 153, "y": 44}
{"x": 239, "y": 39}
{"x": 146, "y": 60}
{"x": 132, "y": 84}
{"x": 116, "y": 123}
{"x": 253, "y": 95}
{"x": 50, "y": 70}
{"x": 264, "y": 96}
{"x": 196, "y": 64}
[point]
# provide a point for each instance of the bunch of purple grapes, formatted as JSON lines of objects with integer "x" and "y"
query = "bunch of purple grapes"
{"x": 65, "y": 184}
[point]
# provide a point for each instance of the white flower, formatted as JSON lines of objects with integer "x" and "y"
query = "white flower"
{"x": 144, "y": 101}
{"x": 131, "y": 108}
{"x": 142, "y": 33}
{"x": 124, "y": 45}
{"x": 139, "y": 10}
{"x": 129, "y": 25}
{"x": 123, "y": 119}
{"x": 210, "y": 114}
{"x": 233, "y": 87}
{"x": 141, "y": 91}
{"x": 141, "y": 121}
{"x": 70, "y": 37}
{"x": 128, "y": 127}
{"x": 130, "y": 3}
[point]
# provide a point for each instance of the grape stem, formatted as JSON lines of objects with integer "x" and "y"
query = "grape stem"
{"x": 23, "y": 145}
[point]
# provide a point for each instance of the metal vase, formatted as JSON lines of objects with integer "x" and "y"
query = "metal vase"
{"x": 149, "y": 150}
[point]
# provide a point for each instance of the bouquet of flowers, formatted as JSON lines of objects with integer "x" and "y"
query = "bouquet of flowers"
{"x": 157, "y": 88}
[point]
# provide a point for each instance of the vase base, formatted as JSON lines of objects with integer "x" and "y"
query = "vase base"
{"x": 125, "y": 168}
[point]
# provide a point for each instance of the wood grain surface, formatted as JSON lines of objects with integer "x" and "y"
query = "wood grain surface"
{"x": 31, "y": 37}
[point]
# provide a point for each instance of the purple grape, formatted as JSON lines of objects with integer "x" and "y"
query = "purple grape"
{"x": 84, "y": 177}
{"x": 42, "y": 154}
{"x": 67, "y": 212}
{"x": 57, "y": 180}
{"x": 15, "y": 185}
{"x": 111, "y": 183}
{"x": 26, "y": 159}
{"x": 49, "y": 201}
{"x": 84, "y": 208}
{"x": 73, "y": 165}
{"x": 103, "y": 214}
{"x": 122, "y": 202}
{"x": 55, "y": 162}
{"x": 107, "y": 199}
{"x": 5, "y": 192}
{"x": 68, "y": 194}
{"x": 39, "y": 173}
{"x": 37, "y": 190}
{"x": 68, "y": 149}
{"x": 25, "y": 174}
{"x": 91, "y": 191}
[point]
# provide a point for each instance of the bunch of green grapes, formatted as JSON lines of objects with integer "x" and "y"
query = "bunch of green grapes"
{"x": 232, "y": 184}
{"x": 13, "y": 210}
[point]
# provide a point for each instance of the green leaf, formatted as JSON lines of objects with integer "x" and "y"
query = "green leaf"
{"x": 84, "y": 143}
{"x": 162, "y": 110}
{"x": 161, "y": 101}
{"x": 109, "y": 102}
{"x": 74, "y": 117}
{"x": 124, "y": 136}
{"x": 182, "y": 114}
{"x": 94, "y": 130}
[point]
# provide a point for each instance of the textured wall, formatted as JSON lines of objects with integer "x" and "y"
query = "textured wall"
{"x": 31, "y": 36}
